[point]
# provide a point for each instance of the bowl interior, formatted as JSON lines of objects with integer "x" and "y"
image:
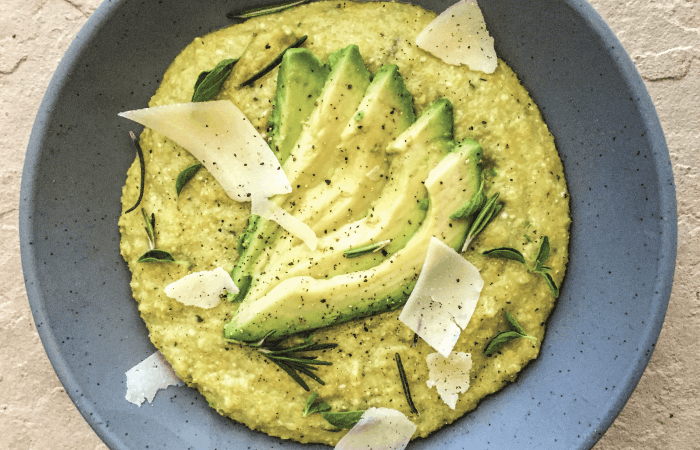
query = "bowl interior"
{"x": 612, "y": 302}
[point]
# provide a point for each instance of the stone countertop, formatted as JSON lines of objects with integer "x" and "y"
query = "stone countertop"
{"x": 663, "y": 38}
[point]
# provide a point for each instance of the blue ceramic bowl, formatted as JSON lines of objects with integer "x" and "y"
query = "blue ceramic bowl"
{"x": 600, "y": 336}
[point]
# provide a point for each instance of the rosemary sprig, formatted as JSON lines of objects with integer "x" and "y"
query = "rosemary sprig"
{"x": 404, "y": 384}
{"x": 274, "y": 63}
{"x": 488, "y": 212}
{"x": 263, "y": 10}
{"x": 504, "y": 337}
{"x": 364, "y": 249}
{"x": 290, "y": 360}
{"x": 539, "y": 267}
{"x": 186, "y": 175}
{"x": 142, "y": 163}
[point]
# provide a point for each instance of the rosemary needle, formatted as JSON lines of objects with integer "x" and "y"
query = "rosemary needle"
{"x": 135, "y": 140}
{"x": 269, "y": 9}
{"x": 404, "y": 383}
{"x": 275, "y": 62}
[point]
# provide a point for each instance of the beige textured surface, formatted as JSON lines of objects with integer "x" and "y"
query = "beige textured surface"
{"x": 663, "y": 37}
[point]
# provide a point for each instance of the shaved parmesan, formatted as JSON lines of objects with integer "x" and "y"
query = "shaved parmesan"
{"x": 459, "y": 36}
{"x": 450, "y": 376}
{"x": 146, "y": 378}
{"x": 444, "y": 297}
{"x": 220, "y": 136}
{"x": 379, "y": 429}
{"x": 271, "y": 211}
{"x": 202, "y": 289}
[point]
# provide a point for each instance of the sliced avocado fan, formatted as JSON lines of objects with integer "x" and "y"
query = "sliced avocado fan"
{"x": 300, "y": 79}
{"x": 342, "y": 92}
{"x": 305, "y": 303}
{"x": 285, "y": 287}
{"x": 385, "y": 111}
{"x": 395, "y": 214}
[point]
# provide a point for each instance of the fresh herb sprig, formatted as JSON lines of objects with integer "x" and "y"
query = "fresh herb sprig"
{"x": 185, "y": 176}
{"x": 154, "y": 254}
{"x": 274, "y": 63}
{"x": 291, "y": 359}
{"x": 312, "y": 406}
{"x": 363, "y": 250}
{"x": 404, "y": 384}
{"x": 539, "y": 267}
{"x": 263, "y": 10}
{"x": 345, "y": 419}
{"x": 209, "y": 83}
{"x": 142, "y": 163}
{"x": 340, "y": 419}
{"x": 504, "y": 337}
{"x": 485, "y": 210}
{"x": 490, "y": 209}
{"x": 150, "y": 228}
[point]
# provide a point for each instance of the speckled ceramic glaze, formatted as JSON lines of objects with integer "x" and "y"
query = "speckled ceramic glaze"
{"x": 613, "y": 299}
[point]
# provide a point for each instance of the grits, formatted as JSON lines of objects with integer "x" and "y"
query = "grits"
{"x": 201, "y": 226}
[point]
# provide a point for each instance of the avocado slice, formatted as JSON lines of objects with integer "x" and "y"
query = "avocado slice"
{"x": 300, "y": 79}
{"x": 341, "y": 95}
{"x": 396, "y": 214}
{"x": 305, "y": 303}
{"x": 299, "y": 83}
{"x": 385, "y": 111}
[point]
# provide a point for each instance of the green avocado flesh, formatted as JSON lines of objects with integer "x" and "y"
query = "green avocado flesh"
{"x": 362, "y": 171}
{"x": 300, "y": 79}
{"x": 341, "y": 94}
{"x": 299, "y": 83}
